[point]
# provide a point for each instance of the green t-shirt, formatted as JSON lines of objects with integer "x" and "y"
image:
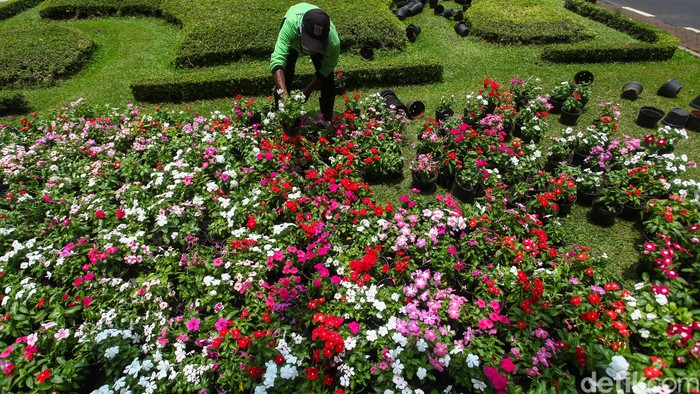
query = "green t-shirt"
{"x": 290, "y": 36}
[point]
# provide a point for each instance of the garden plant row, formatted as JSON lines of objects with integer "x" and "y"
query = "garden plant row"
{"x": 152, "y": 251}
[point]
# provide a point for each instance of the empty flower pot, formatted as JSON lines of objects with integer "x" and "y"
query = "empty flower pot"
{"x": 583, "y": 77}
{"x": 670, "y": 88}
{"x": 415, "y": 109}
{"x": 462, "y": 29}
{"x": 448, "y": 13}
{"x": 465, "y": 7}
{"x": 695, "y": 103}
{"x": 433, "y": 3}
{"x": 439, "y": 9}
{"x": 649, "y": 117}
{"x": 693, "y": 123}
{"x": 412, "y": 32}
{"x": 402, "y": 13}
{"x": 367, "y": 53}
{"x": 458, "y": 15}
{"x": 415, "y": 8}
{"x": 632, "y": 90}
{"x": 676, "y": 118}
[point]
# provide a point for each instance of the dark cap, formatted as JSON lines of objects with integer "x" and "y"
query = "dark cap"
{"x": 315, "y": 26}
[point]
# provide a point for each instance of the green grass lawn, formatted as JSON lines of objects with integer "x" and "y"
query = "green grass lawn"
{"x": 130, "y": 48}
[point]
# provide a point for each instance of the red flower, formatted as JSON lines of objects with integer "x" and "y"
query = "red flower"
{"x": 251, "y": 222}
{"x": 43, "y": 375}
{"x": 652, "y": 372}
{"x": 311, "y": 373}
{"x": 120, "y": 214}
{"x": 594, "y": 298}
{"x": 575, "y": 301}
{"x": 100, "y": 214}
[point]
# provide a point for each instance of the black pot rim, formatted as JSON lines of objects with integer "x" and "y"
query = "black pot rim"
{"x": 696, "y": 103}
{"x": 584, "y": 77}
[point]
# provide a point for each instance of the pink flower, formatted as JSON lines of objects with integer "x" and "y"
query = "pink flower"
{"x": 507, "y": 365}
{"x": 485, "y": 324}
{"x": 354, "y": 327}
{"x": 221, "y": 324}
{"x": 100, "y": 214}
{"x": 7, "y": 352}
{"x": 87, "y": 301}
{"x": 193, "y": 324}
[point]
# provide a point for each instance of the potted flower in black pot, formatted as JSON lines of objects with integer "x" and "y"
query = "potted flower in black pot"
{"x": 634, "y": 203}
{"x": 589, "y": 184}
{"x": 610, "y": 203}
{"x": 571, "y": 109}
{"x": 424, "y": 171}
{"x": 445, "y": 108}
{"x": 340, "y": 84}
{"x": 467, "y": 179}
{"x": 558, "y": 95}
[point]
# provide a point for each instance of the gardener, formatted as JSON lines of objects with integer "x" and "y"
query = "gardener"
{"x": 308, "y": 30}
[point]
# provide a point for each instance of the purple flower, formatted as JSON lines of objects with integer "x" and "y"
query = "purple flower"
{"x": 193, "y": 324}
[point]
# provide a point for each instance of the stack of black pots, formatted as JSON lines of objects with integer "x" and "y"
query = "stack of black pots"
{"x": 409, "y": 8}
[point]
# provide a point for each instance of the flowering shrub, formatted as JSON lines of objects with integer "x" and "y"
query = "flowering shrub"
{"x": 147, "y": 251}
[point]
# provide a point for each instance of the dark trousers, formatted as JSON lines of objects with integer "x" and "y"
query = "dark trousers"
{"x": 326, "y": 98}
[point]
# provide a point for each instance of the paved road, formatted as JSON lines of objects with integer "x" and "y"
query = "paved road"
{"x": 679, "y": 17}
{"x": 680, "y": 13}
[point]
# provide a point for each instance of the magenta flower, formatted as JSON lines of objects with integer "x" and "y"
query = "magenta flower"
{"x": 507, "y": 365}
{"x": 354, "y": 327}
{"x": 193, "y": 324}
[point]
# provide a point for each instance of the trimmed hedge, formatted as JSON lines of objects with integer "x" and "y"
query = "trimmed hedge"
{"x": 226, "y": 83}
{"x": 13, "y": 7}
{"x": 523, "y": 22}
{"x": 41, "y": 53}
{"x": 656, "y": 44}
{"x": 12, "y": 103}
{"x": 68, "y": 9}
{"x": 224, "y": 31}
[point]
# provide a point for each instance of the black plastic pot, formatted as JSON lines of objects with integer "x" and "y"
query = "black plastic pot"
{"x": 415, "y": 109}
{"x": 603, "y": 217}
{"x": 569, "y": 118}
{"x": 462, "y": 29}
{"x": 458, "y": 15}
{"x": 585, "y": 198}
{"x": 565, "y": 208}
{"x": 676, "y": 118}
{"x": 649, "y": 117}
{"x": 448, "y": 13}
{"x": 583, "y": 78}
{"x": 464, "y": 194}
{"x": 412, "y": 32}
{"x": 402, "y": 13}
{"x": 415, "y": 8}
{"x": 693, "y": 123}
{"x": 465, "y": 7}
{"x": 695, "y": 103}
{"x": 631, "y": 90}
{"x": 367, "y": 53}
{"x": 432, "y": 3}
{"x": 440, "y": 115}
{"x": 439, "y": 9}
{"x": 670, "y": 88}
{"x": 556, "y": 105}
{"x": 390, "y": 99}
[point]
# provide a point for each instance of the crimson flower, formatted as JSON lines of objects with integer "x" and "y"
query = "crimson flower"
{"x": 43, "y": 375}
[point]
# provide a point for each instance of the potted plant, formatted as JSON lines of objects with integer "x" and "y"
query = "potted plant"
{"x": 664, "y": 139}
{"x": 449, "y": 166}
{"x": 583, "y": 92}
{"x": 589, "y": 184}
{"x": 558, "y": 95}
{"x": 290, "y": 113}
{"x": 340, "y": 83}
{"x": 467, "y": 178}
{"x": 634, "y": 203}
{"x": 608, "y": 205}
{"x": 445, "y": 107}
{"x": 564, "y": 187}
{"x": 424, "y": 171}
{"x": 559, "y": 153}
{"x": 571, "y": 109}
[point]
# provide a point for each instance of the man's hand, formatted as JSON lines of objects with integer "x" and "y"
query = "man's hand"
{"x": 315, "y": 82}
{"x": 281, "y": 84}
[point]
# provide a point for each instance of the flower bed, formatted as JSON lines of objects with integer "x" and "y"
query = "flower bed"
{"x": 152, "y": 251}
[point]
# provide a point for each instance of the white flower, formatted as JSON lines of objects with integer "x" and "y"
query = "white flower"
{"x": 644, "y": 333}
{"x": 421, "y": 373}
{"x": 478, "y": 385}
{"x": 371, "y": 335}
{"x": 636, "y": 315}
{"x": 661, "y": 299}
{"x": 472, "y": 360}
{"x": 111, "y": 352}
{"x": 422, "y": 345}
{"x": 288, "y": 372}
{"x": 133, "y": 368}
{"x": 617, "y": 369}
{"x": 62, "y": 333}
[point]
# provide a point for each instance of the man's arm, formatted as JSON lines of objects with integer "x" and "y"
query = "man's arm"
{"x": 278, "y": 59}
